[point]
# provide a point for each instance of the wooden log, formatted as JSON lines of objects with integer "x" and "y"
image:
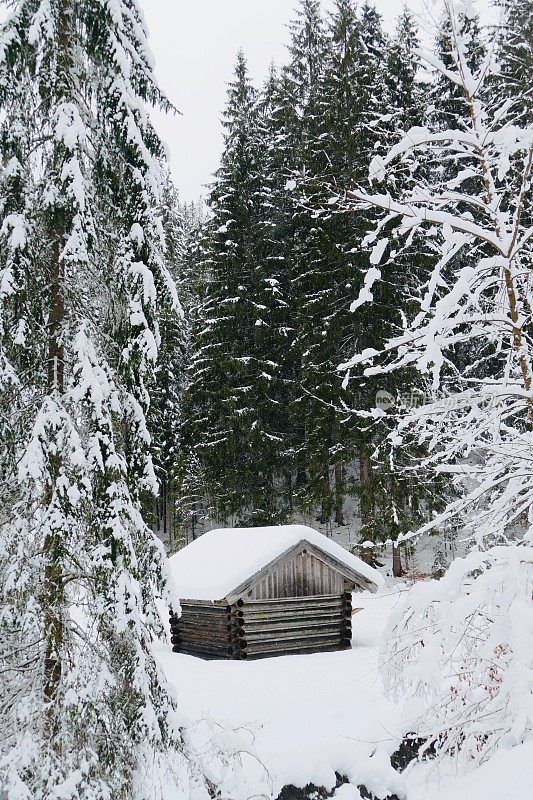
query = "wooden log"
{"x": 272, "y": 636}
{"x": 251, "y": 641}
{"x": 205, "y": 610}
{"x": 195, "y": 644}
{"x": 212, "y": 619}
{"x": 207, "y": 647}
{"x": 310, "y": 645}
{"x": 297, "y": 640}
{"x": 204, "y": 624}
{"x": 207, "y": 656}
{"x": 292, "y": 620}
{"x": 318, "y": 598}
{"x": 203, "y": 630}
{"x": 198, "y": 622}
{"x": 265, "y": 627}
{"x": 206, "y": 643}
{"x": 293, "y": 602}
{"x": 284, "y": 652}
{"x": 296, "y": 615}
{"x": 199, "y": 612}
{"x": 250, "y": 611}
{"x": 198, "y": 636}
{"x": 294, "y": 611}
{"x": 209, "y": 604}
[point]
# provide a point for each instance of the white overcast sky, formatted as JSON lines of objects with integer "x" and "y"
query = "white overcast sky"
{"x": 195, "y": 43}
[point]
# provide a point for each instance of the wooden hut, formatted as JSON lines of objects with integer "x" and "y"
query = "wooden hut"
{"x": 254, "y": 592}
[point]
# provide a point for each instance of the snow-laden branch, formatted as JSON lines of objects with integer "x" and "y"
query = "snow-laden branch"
{"x": 476, "y": 296}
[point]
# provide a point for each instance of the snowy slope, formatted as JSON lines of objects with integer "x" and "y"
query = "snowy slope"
{"x": 215, "y": 564}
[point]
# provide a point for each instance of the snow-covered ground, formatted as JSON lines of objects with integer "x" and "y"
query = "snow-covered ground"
{"x": 304, "y": 717}
{"x": 299, "y": 719}
{"x": 507, "y": 776}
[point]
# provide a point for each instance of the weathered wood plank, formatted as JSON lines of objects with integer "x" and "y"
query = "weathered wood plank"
{"x": 304, "y": 651}
{"x": 206, "y": 656}
{"x": 316, "y": 637}
{"x": 288, "y": 646}
{"x": 295, "y": 625}
{"x": 295, "y": 607}
{"x": 195, "y": 608}
{"x": 296, "y": 600}
{"x": 293, "y": 616}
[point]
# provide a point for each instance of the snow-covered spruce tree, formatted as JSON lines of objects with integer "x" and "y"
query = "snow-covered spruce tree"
{"x": 368, "y": 94}
{"x": 336, "y": 143}
{"x": 467, "y": 666}
{"x": 295, "y": 117}
{"x": 187, "y": 505}
{"x": 84, "y": 708}
{"x": 165, "y": 417}
{"x": 279, "y": 125}
{"x": 235, "y": 418}
{"x": 305, "y": 73}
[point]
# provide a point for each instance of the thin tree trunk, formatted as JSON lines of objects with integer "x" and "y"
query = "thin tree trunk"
{"x": 53, "y": 548}
{"x": 338, "y": 477}
{"x": 326, "y": 501}
{"x": 365, "y": 488}
{"x": 288, "y": 484}
{"x": 53, "y": 589}
{"x": 397, "y": 569}
{"x": 339, "y": 493}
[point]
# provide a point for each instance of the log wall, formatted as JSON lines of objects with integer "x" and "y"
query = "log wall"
{"x": 256, "y": 628}
{"x": 203, "y": 629}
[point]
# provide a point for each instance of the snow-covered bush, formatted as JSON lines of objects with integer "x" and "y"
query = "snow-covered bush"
{"x": 461, "y": 650}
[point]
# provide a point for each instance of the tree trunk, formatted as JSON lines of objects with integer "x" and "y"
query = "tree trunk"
{"x": 365, "y": 488}
{"x": 338, "y": 475}
{"x": 288, "y": 484}
{"x": 53, "y": 548}
{"x": 53, "y": 589}
{"x": 397, "y": 570}
{"x": 326, "y": 503}
{"x": 339, "y": 493}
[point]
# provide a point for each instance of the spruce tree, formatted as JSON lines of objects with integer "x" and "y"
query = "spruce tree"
{"x": 165, "y": 419}
{"x": 234, "y": 377}
{"x": 396, "y": 499}
{"x": 85, "y": 710}
{"x": 349, "y": 103}
{"x": 277, "y": 224}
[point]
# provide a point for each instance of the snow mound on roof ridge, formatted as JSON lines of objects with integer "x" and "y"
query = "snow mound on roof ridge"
{"x": 214, "y": 565}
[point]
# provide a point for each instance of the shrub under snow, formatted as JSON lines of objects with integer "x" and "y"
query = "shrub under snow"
{"x": 461, "y": 650}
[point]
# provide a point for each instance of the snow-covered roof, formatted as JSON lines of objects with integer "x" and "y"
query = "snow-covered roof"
{"x": 214, "y": 565}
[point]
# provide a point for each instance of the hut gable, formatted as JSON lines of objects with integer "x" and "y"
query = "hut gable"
{"x": 304, "y": 570}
